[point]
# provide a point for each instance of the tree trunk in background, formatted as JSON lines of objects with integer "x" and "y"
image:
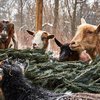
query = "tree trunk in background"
{"x": 56, "y": 16}
{"x": 39, "y": 8}
{"x": 55, "y": 23}
{"x": 21, "y": 13}
{"x": 73, "y": 21}
{"x": 81, "y": 10}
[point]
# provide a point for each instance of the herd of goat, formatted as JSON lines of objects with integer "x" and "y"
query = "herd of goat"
{"x": 84, "y": 46}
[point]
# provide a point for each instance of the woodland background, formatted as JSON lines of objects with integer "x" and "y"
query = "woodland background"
{"x": 60, "y": 17}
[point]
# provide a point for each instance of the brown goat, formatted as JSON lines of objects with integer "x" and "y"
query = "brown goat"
{"x": 87, "y": 38}
{"x": 7, "y": 34}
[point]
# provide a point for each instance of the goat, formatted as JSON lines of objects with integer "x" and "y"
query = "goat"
{"x": 66, "y": 54}
{"x": 41, "y": 39}
{"x": 87, "y": 37}
{"x": 7, "y": 35}
{"x": 16, "y": 87}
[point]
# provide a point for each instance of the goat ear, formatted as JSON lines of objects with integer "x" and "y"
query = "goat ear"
{"x": 50, "y": 37}
{"x": 98, "y": 29}
{"x": 58, "y": 43}
{"x": 30, "y": 32}
{"x": 83, "y": 21}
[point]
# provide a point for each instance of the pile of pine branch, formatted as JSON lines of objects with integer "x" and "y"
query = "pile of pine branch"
{"x": 74, "y": 76}
{"x": 65, "y": 76}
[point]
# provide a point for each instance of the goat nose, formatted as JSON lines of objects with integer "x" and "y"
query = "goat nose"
{"x": 34, "y": 45}
{"x": 72, "y": 43}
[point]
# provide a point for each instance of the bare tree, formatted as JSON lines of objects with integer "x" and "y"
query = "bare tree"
{"x": 56, "y": 16}
{"x": 21, "y": 12}
{"x": 72, "y": 13}
{"x": 39, "y": 8}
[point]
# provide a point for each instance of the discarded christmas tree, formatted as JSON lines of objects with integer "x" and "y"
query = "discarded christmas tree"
{"x": 57, "y": 76}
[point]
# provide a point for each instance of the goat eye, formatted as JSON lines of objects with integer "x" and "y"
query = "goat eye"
{"x": 43, "y": 38}
{"x": 33, "y": 35}
{"x": 0, "y": 27}
{"x": 90, "y": 32}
